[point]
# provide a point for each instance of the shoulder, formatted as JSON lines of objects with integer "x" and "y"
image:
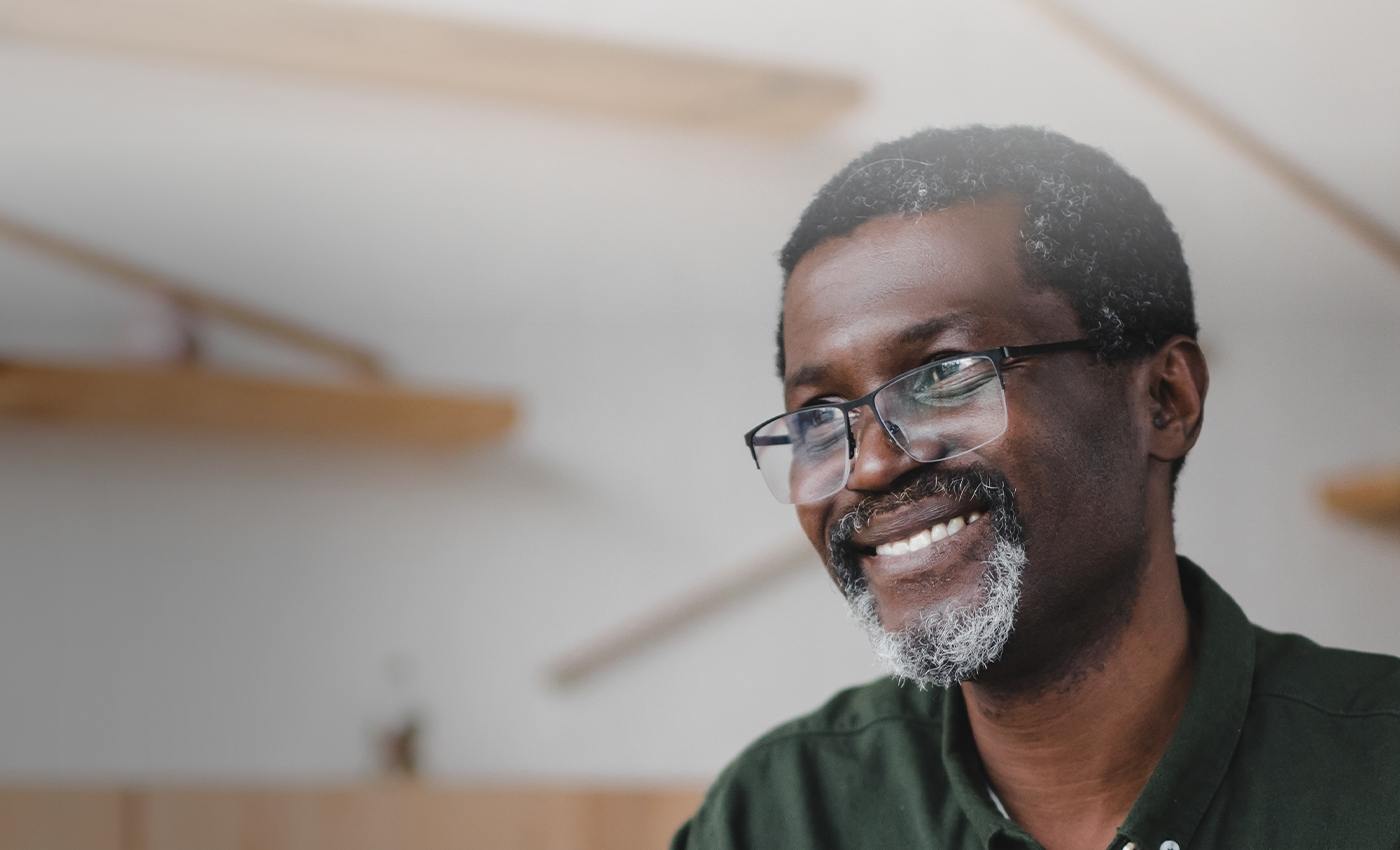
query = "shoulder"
{"x": 1322, "y": 718}
{"x": 1334, "y": 682}
{"x": 851, "y": 723}
{"x": 853, "y": 712}
{"x": 804, "y": 770}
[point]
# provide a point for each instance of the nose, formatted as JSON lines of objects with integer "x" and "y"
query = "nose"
{"x": 879, "y": 460}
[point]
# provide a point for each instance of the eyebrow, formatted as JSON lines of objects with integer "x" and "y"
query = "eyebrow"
{"x": 816, "y": 373}
{"x": 925, "y": 331}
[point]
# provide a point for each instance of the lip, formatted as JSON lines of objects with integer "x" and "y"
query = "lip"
{"x": 902, "y": 522}
{"x": 940, "y": 559}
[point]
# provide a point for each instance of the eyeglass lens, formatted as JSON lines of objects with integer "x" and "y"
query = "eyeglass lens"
{"x": 944, "y": 410}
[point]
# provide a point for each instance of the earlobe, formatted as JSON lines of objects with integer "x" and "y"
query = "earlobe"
{"x": 1177, "y": 386}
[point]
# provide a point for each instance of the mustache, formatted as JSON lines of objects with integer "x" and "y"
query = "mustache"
{"x": 978, "y": 484}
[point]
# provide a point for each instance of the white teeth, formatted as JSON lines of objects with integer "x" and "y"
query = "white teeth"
{"x": 927, "y": 537}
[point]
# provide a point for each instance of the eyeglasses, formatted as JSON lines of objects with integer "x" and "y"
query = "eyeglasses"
{"x": 936, "y": 412}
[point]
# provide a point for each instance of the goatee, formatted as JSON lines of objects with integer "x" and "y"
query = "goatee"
{"x": 946, "y": 644}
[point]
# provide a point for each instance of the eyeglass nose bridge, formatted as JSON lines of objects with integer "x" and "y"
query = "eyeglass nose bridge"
{"x": 889, "y": 429}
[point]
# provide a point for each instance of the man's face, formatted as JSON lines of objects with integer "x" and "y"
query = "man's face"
{"x": 897, "y": 293}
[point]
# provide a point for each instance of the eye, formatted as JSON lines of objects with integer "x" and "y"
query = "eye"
{"x": 949, "y": 368}
{"x": 952, "y": 382}
{"x": 817, "y": 430}
{"x": 821, "y": 444}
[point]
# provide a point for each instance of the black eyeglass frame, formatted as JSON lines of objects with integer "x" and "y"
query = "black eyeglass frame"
{"x": 998, "y": 356}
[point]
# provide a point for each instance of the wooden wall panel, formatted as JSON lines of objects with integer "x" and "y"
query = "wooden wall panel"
{"x": 363, "y": 817}
{"x": 62, "y": 820}
{"x": 639, "y": 820}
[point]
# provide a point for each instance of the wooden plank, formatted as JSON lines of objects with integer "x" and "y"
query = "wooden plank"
{"x": 185, "y": 296}
{"x": 1309, "y": 187}
{"x": 678, "y": 614}
{"x": 639, "y": 819}
{"x": 217, "y": 818}
{"x": 526, "y": 818}
{"x": 38, "y": 819}
{"x": 1372, "y": 496}
{"x": 160, "y": 396}
{"x": 410, "y": 816}
{"x": 448, "y": 55}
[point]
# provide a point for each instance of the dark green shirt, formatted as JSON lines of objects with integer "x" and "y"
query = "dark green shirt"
{"x": 1283, "y": 744}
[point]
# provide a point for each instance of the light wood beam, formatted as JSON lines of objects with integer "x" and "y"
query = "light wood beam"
{"x": 1309, "y": 187}
{"x": 184, "y": 296}
{"x": 680, "y": 613}
{"x": 346, "y": 42}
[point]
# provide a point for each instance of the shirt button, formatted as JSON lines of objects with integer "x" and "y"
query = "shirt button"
{"x": 1170, "y": 845}
{"x": 1130, "y": 846}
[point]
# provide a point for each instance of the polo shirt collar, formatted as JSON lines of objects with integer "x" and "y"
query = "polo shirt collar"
{"x": 1175, "y": 798}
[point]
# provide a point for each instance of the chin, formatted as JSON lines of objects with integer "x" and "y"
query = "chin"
{"x": 903, "y": 608}
{"x": 938, "y": 633}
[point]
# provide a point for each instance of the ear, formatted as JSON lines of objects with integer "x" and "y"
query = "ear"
{"x": 1177, "y": 380}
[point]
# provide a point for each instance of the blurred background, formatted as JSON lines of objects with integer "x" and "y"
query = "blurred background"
{"x": 373, "y": 379}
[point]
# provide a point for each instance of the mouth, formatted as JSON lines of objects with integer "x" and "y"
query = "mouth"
{"x": 930, "y": 538}
{"x": 936, "y": 530}
{"x": 926, "y": 537}
{"x": 914, "y": 524}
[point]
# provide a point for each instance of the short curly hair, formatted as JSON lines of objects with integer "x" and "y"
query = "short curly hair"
{"x": 1091, "y": 230}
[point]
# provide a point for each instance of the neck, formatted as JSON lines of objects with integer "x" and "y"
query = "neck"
{"x": 1068, "y": 759}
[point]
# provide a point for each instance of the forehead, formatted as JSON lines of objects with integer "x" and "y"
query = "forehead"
{"x": 852, "y": 301}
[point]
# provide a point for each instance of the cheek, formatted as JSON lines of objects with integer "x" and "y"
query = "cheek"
{"x": 812, "y": 518}
{"x": 1076, "y": 476}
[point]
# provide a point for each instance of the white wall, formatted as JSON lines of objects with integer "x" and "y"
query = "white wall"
{"x": 176, "y": 607}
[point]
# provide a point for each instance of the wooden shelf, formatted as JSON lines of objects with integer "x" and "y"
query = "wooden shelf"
{"x": 188, "y": 397}
{"x": 1369, "y": 496}
{"x": 448, "y": 55}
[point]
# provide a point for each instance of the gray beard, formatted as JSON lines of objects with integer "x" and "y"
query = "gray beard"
{"x": 950, "y": 644}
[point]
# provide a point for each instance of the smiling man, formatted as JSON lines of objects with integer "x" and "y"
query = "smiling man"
{"x": 991, "y": 381}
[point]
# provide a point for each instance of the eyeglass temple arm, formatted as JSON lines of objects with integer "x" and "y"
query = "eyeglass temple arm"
{"x": 1010, "y": 351}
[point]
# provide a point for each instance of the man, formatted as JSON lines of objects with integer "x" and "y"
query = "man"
{"x": 991, "y": 381}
